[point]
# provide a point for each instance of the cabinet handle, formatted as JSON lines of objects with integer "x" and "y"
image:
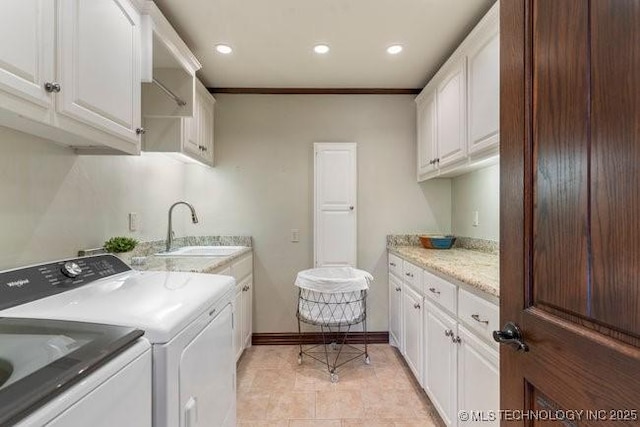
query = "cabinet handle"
{"x": 434, "y": 290}
{"x": 416, "y": 306}
{"x": 392, "y": 264}
{"x": 52, "y": 87}
{"x": 409, "y": 274}
{"x": 455, "y": 340}
{"x": 448, "y": 333}
{"x": 438, "y": 160}
{"x": 477, "y": 318}
{"x": 141, "y": 131}
{"x": 398, "y": 289}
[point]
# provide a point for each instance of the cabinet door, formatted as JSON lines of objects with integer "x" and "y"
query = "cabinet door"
{"x": 26, "y": 55}
{"x": 99, "y": 65}
{"x": 426, "y": 120}
{"x": 441, "y": 363}
{"x": 247, "y": 312}
{"x": 192, "y": 129}
{"x": 451, "y": 115}
{"x": 478, "y": 377}
{"x": 412, "y": 310}
{"x": 237, "y": 321}
{"x": 206, "y": 126}
{"x": 395, "y": 312}
{"x": 484, "y": 89}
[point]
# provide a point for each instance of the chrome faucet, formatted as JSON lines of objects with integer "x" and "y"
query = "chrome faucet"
{"x": 170, "y": 233}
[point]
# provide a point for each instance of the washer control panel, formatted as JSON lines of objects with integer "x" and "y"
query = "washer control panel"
{"x": 39, "y": 281}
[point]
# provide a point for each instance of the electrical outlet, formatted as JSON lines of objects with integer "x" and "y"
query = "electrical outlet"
{"x": 295, "y": 235}
{"x": 134, "y": 221}
{"x": 476, "y": 220}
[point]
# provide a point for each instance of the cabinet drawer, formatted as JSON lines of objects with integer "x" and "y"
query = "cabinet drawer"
{"x": 440, "y": 291}
{"x": 242, "y": 268}
{"x": 480, "y": 315}
{"x": 412, "y": 275}
{"x": 395, "y": 266}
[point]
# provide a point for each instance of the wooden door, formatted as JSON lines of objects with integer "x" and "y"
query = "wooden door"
{"x": 570, "y": 193}
{"x": 451, "y": 111}
{"x": 27, "y": 31}
{"x": 99, "y": 65}
{"x": 335, "y": 186}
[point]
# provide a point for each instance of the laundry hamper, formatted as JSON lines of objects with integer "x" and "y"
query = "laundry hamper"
{"x": 335, "y": 299}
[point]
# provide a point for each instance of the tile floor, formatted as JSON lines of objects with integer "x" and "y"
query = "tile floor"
{"x": 273, "y": 390}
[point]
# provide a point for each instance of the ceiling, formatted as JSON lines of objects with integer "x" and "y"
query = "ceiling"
{"x": 273, "y": 40}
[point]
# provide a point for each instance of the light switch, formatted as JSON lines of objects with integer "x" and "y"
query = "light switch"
{"x": 295, "y": 235}
{"x": 134, "y": 222}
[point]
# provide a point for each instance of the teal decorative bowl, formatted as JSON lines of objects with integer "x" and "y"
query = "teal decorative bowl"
{"x": 437, "y": 242}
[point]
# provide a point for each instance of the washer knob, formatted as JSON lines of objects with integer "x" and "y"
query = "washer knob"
{"x": 71, "y": 269}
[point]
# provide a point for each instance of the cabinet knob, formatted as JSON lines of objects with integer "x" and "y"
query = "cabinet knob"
{"x": 398, "y": 289}
{"x": 455, "y": 340}
{"x": 392, "y": 264}
{"x": 52, "y": 87}
{"x": 141, "y": 131}
{"x": 448, "y": 333}
{"x": 409, "y": 274}
{"x": 416, "y": 306}
{"x": 438, "y": 160}
{"x": 434, "y": 290}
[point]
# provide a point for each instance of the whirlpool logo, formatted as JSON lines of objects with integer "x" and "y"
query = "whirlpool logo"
{"x": 18, "y": 283}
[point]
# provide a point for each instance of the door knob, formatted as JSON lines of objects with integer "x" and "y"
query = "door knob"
{"x": 512, "y": 335}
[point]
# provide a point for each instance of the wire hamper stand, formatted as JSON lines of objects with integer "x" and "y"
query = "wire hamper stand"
{"x": 335, "y": 299}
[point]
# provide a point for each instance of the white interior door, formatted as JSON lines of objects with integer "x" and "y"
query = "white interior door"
{"x": 335, "y": 210}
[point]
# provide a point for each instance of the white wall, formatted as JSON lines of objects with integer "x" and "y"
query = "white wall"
{"x": 262, "y": 185}
{"x": 53, "y": 202}
{"x": 477, "y": 191}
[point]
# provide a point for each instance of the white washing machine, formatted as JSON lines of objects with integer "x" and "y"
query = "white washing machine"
{"x": 70, "y": 374}
{"x": 187, "y": 317}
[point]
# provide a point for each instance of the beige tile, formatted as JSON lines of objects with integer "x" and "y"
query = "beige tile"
{"x": 332, "y": 404}
{"x": 275, "y": 423}
{"x": 390, "y": 403}
{"x": 367, "y": 423}
{"x": 415, "y": 422}
{"x": 393, "y": 379}
{"x": 273, "y": 379}
{"x": 292, "y": 405}
{"x": 252, "y": 405}
{"x": 314, "y": 423}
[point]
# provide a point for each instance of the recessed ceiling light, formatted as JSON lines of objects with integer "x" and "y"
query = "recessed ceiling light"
{"x": 224, "y": 49}
{"x": 394, "y": 49}
{"x": 321, "y": 48}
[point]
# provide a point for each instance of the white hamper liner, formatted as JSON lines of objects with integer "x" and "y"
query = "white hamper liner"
{"x": 332, "y": 295}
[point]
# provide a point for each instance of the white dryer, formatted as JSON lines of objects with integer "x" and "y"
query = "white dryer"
{"x": 187, "y": 317}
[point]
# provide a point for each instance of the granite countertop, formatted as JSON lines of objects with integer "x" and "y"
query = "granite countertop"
{"x": 475, "y": 268}
{"x": 190, "y": 264}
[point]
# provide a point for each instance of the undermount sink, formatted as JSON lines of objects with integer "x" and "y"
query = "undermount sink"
{"x": 202, "y": 251}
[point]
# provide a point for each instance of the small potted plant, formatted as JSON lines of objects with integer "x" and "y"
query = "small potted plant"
{"x": 121, "y": 247}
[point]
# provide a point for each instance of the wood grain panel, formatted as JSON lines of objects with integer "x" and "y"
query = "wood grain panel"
{"x": 615, "y": 187}
{"x": 513, "y": 140}
{"x": 561, "y": 152}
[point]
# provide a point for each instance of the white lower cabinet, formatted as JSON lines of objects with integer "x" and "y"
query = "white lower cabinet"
{"x": 242, "y": 271}
{"x": 478, "y": 377}
{"x": 444, "y": 333}
{"x": 412, "y": 320}
{"x": 395, "y": 311}
{"x": 441, "y": 354}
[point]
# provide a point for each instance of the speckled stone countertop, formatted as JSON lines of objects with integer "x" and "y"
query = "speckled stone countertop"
{"x": 190, "y": 264}
{"x": 475, "y": 268}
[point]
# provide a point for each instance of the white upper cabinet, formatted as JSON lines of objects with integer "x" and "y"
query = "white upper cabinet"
{"x": 465, "y": 133}
{"x": 27, "y": 56}
{"x": 426, "y": 116}
{"x": 451, "y": 115}
{"x": 484, "y": 87}
{"x": 99, "y": 65}
{"x": 184, "y": 136}
{"x": 70, "y": 72}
